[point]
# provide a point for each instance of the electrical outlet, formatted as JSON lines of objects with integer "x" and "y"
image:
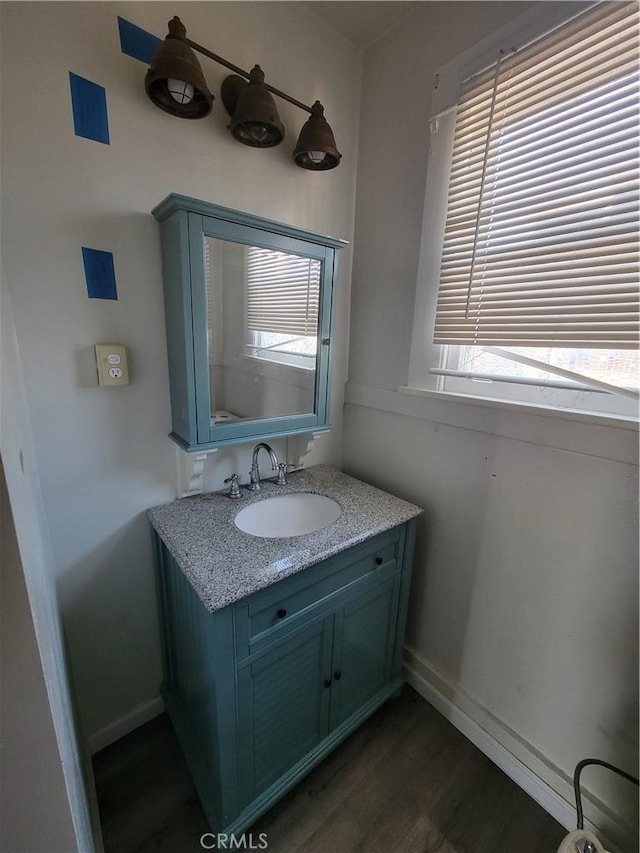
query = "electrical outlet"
{"x": 112, "y": 364}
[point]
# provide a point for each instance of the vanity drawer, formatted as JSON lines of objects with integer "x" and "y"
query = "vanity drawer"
{"x": 272, "y": 612}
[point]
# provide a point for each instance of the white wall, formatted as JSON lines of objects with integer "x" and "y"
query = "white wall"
{"x": 103, "y": 454}
{"x": 43, "y": 802}
{"x": 525, "y": 602}
{"x": 33, "y": 796}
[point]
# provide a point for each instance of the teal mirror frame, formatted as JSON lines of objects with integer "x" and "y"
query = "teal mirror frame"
{"x": 184, "y": 223}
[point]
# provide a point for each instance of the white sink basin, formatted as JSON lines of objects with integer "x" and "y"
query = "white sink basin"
{"x": 288, "y": 515}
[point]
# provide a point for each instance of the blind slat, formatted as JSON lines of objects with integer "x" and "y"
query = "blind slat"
{"x": 589, "y": 199}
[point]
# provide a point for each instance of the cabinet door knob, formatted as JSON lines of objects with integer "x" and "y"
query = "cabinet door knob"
{"x": 379, "y": 561}
{"x": 281, "y": 613}
{"x": 327, "y": 682}
{"x": 337, "y": 676}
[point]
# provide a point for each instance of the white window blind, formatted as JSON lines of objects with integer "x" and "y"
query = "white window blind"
{"x": 283, "y": 292}
{"x": 541, "y": 238}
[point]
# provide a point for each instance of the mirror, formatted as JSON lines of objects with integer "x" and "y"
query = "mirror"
{"x": 263, "y": 307}
{"x": 248, "y": 305}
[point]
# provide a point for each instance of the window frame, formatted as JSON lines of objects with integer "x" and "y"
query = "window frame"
{"x": 424, "y": 354}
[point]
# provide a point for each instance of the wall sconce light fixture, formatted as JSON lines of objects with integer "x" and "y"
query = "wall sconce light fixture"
{"x": 176, "y": 84}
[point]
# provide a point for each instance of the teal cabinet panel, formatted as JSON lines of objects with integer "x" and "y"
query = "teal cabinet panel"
{"x": 283, "y": 698}
{"x": 363, "y": 647}
{"x": 272, "y": 613}
{"x": 240, "y": 368}
{"x": 199, "y": 689}
{"x": 179, "y": 325}
{"x": 258, "y": 695}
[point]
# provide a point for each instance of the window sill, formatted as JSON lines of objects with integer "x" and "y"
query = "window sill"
{"x": 260, "y": 359}
{"x": 575, "y": 432}
{"x": 594, "y": 418}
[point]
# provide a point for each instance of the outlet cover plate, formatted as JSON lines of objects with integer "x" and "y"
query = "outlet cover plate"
{"x": 113, "y": 368}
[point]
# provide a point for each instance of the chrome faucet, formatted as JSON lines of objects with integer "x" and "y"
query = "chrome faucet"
{"x": 254, "y": 474}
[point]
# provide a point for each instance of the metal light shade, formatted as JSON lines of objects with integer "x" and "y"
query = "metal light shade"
{"x": 230, "y": 90}
{"x": 256, "y": 121}
{"x": 176, "y": 63}
{"x": 316, "y": 148}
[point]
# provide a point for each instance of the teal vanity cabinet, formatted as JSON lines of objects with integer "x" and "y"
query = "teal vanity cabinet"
{"x": 260, "y": 690}
{"x": 248, "y": 309}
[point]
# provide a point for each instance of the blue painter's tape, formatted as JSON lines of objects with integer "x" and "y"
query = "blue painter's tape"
{"x": 136, "y": 42}
{"x": 99, "y": 273}
{"x": 89, "y": 104}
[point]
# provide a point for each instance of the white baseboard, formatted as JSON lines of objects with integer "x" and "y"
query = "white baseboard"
{"x": 538, "y": 777}
{"x": 119, "y": 728}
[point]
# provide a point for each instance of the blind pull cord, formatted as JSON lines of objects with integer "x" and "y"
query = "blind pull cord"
{"x": 494, "y": 95}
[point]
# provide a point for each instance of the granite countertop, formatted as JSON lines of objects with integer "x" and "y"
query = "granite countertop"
{"x": 223, "y": 564}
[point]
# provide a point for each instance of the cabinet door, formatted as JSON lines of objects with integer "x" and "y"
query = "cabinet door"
{"x": 236, "y": 371}
{"x": 283, "y": 705}
{"x": 363, "y": 648}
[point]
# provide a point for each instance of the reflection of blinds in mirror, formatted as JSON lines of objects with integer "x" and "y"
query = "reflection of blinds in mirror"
{"x": 209, "y": 282}
{"x": 283, "y": 292}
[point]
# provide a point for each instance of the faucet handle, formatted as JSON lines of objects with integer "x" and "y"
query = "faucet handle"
{"x": 234, "y": 490}
{"x": 283, "y": 467}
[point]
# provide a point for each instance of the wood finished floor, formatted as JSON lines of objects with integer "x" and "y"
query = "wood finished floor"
{"x": 406, "y": 782}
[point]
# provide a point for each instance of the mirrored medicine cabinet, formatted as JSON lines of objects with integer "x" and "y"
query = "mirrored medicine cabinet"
{"x": 248, "y": 318}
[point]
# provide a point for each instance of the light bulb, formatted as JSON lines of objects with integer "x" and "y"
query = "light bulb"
{"x": 180, "y": 91}
{"x": 316, "y": 156}
{"x": 259, "y": 132}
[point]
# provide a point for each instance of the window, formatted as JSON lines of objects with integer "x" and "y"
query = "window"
{"x": 537, "y": 285}
{"x": 282, "y": 302}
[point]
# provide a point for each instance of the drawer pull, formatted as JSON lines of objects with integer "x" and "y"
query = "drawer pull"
{"x": 281, "y": 613}
{"x": 337, "y": 676}
{"x": 327, "y": 682}
{"x": 379, "y": 561}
